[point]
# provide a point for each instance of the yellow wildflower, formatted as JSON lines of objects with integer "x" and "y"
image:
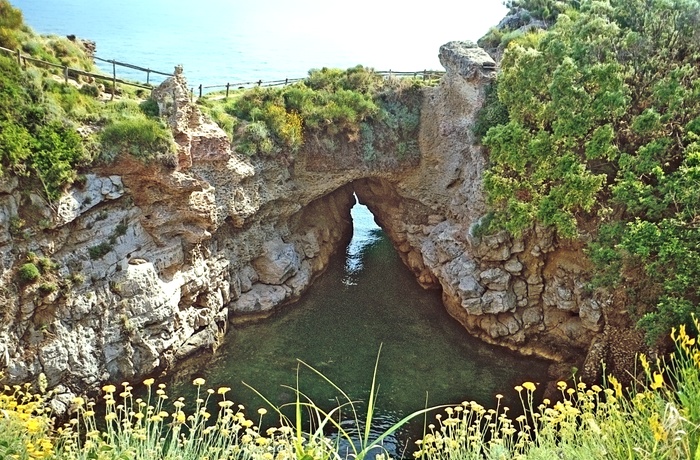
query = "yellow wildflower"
{"x": 148, "y": 382}
{"x": 198, "y": 382}
{"x": 529, "y": 386}
{"x": 617, "y": 386}
{"x": 658, "y": 381}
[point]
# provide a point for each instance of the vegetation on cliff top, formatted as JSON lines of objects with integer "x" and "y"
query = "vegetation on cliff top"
{"x": 329, "y": 107}
{"x": 599, "y": 133}
{"x": 40, "y": 115}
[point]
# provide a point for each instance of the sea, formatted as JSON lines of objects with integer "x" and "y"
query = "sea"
{"x": 234, "y": 41}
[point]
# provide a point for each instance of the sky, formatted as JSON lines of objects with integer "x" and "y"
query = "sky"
{"x": 263, "y": 36}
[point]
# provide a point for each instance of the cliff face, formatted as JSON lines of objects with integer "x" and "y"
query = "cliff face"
{"x": 152, "y": 264}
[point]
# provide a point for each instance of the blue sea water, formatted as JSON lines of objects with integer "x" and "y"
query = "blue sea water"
{"x": 220, "y": 41}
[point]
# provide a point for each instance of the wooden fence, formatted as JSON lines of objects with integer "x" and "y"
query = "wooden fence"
{"x": 424, "y": 74}
{"x": 23, "y": 59}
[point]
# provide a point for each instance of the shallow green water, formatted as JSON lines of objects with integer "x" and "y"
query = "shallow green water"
{"x": 366, "y": 299}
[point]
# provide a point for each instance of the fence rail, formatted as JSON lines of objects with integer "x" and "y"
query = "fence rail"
{"x": 22, "y": 59}
{"x": 425, "y": 74}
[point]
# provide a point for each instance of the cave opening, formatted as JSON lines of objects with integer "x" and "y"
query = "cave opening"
{"x": 366, "y": 298}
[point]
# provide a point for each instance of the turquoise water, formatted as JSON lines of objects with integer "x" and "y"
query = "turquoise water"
{"x": 367, "y": 299}
{"x": 219, "y": 41}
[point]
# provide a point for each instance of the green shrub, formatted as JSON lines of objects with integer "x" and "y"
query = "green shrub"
{"x": 28, "y": 273}
{"x": 149, "y": 107}
{"x": 59, "y": 151}
{"x": 48, "y": 288}
{"x": 90, "y": 90}
{"x": 77, "y": 278}
{"x": 11, "y": 22}
{"x": 142, "y": 137}
{"x": 46, "y": 265}
{"x": 100, "y": 250}
{"x": 329, "y": 102}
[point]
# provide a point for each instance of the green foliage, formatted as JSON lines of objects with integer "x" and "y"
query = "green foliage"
{"x": 330, "y": 102}
{"x": 59, "y": 151}
{"x": 46, "y": 265}
{"x": 547, "y": 10}
{"x": 492, "y": 113}
{"x": 48, "y": 288}
{"x": 142, "y": 137}
{"x": 149, "y": 107}
{"x": 28, "y": 273}
{"x": 11, "y": 22}
{"x": 99, "y": 251}
{"x": 603, "y": 116}
{"x": 34, "y": 143}
{"x": 395, "y": 128}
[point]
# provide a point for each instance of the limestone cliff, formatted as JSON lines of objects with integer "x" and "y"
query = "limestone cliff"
{"x": 151, "y": 263}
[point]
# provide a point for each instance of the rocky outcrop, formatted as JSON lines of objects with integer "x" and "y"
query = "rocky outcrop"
{"x": 143, "y": 264}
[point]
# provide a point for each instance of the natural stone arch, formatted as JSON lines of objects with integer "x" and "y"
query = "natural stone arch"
{"x": 225, "y": 234}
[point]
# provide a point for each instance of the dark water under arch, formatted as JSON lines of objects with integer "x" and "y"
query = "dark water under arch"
{"x": 365, "y": 299}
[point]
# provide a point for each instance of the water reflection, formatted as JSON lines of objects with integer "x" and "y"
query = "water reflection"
{"x": 366, "y": 299}
{"x": 365, "y": 233}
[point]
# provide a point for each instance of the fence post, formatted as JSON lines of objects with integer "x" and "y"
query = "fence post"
{"x": 191, "y": 94}
{"x": 114, "y": 78}
{"x": 259, "y": 82}
{"x": 19, "y": 57}
{"x": 148, "y": 76}
{"x": 425, "y": 74}
{"x": 65, "y": 73}
{"x": 227, "y": 86}
{"x": 286, "y": 81}
{"x": 200, "y": 90}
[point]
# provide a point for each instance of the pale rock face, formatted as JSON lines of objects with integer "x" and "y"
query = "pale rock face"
{"x": 79, "y": 200}
{"x": 278, "y": 262}
{"x": 160, "y": 261}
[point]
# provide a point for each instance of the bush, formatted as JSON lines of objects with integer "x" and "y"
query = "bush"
{"x": 149, "y": 107}
{"x": 28, "y": 273}
{"x": 48, "y": 287}
{"x": 47, "y": 265}
{"x": 99, "y": 251}
{"x": 599, "y": 134}
{"x": 11, "y": 22}
{"x": 142, "y": 137}
{"x": 329, "y": 102}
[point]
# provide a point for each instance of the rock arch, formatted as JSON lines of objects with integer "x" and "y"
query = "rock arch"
{"x": 223, "y": 236}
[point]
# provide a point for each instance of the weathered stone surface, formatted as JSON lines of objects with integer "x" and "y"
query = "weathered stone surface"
{"x": 498, "y": 301}
{"x": 513, "y": 266}
{"x": 466, "y": 59}
{"x": 495, "y": 278}
{"x": 261, "y": 298}
{"x": 591, "y": 315}
{"x": 278, "y": 262}
{"x": 159, "y": 258}
{"x": 79, "y": 200}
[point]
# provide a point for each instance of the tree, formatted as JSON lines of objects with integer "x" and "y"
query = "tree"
{"x": 604, "y": 115}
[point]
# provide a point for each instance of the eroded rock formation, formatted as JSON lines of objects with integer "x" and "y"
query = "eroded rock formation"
{"x": 152, "y": 263}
